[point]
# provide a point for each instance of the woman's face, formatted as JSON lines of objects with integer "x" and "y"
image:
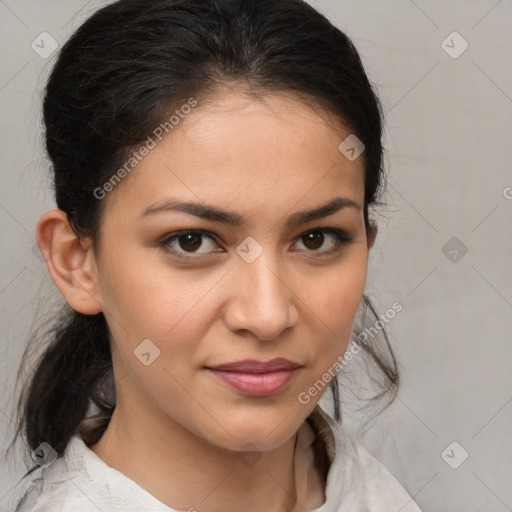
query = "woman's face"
{"x": 270, "y": 285}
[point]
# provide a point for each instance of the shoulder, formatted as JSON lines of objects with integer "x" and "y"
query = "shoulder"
{"x": 382, "y": 486}
{"x": 356, "y": 479}
{"x": 65, "y": 485}
{"x": 59, "y": 498}
{"x": 79, "y": 481}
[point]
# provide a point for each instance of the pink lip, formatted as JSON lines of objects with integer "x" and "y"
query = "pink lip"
{"x": 255, "y": 378}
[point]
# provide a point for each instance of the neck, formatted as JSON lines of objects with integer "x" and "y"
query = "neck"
{"x": 186, "y": 472}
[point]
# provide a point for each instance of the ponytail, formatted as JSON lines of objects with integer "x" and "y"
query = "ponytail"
{"x": 69, "y": 376}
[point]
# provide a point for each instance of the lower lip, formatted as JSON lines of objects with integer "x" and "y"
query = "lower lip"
{"x": 255, "y": 384}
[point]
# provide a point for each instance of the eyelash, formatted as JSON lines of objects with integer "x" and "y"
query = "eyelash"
{"x": 341, "y": 239}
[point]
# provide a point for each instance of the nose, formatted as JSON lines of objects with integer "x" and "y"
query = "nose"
{"x": 263, "y": 301}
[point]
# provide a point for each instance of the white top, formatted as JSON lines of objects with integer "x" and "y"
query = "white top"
{"x": 80, "y": 481}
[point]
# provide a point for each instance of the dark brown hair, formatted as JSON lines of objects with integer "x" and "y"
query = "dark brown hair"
{"x": 116, "y": 79}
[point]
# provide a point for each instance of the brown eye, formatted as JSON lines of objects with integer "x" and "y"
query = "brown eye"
{"x": 184, "y": 243}
{"x": 189, "y": 241}
{"x": 313, "y": 240}
{"x": 334, "y": 239}
{"x": 188, "y": 244}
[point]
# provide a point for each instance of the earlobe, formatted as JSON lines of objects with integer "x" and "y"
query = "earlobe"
{"x": 70, "y": 262}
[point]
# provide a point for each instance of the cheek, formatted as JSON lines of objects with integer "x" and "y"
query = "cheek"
{"x": 334, "y": 305}
{"x": 168, "y": 307}
{"x": 336, "y": 301}
{"x": 141, "y": 294}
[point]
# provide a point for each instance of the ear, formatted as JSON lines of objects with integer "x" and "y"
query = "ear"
{"x": 371, "y": 234}
{"x": 69, "y": 261}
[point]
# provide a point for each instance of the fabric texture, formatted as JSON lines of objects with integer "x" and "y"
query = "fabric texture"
{"x": 80, "y": 481}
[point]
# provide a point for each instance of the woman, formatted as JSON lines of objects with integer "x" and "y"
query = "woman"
{"x": 214, "y": 163}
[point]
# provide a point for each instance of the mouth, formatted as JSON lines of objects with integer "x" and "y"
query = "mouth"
{"x": 255, "y": 378}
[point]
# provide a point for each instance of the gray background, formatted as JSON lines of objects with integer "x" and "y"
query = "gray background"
{"x": 449, "y": 154}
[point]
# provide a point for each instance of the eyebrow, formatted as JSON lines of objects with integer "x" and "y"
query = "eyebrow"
{"x": 215, "y": 214}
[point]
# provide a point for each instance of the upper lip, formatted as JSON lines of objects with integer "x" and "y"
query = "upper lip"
{"x": 254, "y": 366}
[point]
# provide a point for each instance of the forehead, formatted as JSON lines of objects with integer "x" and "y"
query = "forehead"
{"x": 247, "y": 153}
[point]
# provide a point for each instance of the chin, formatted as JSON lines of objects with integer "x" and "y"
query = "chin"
{"x": 257, "y": 431}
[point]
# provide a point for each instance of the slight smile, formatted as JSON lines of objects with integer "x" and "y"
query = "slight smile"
{"x": 256, "y": 378}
